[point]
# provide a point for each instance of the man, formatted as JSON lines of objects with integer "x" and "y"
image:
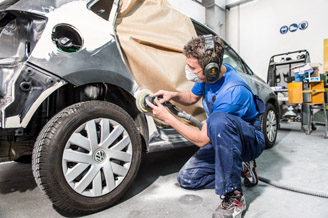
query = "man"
{"x": 231, "y": 133}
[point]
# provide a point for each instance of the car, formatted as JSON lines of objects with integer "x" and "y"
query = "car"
{"x": 68, "y": 93}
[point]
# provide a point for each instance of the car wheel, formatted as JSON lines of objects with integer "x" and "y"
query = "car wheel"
{"x": 25, "y": 159}
{"x": 87, "y": 156}
{"x": 269, "y": 124}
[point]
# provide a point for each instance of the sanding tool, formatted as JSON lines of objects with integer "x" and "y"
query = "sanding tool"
{"x": 141, "y": 97}
{"x": 145, "y": 94}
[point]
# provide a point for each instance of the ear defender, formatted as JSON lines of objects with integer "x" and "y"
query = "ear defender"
{"x": 211, "y": 70}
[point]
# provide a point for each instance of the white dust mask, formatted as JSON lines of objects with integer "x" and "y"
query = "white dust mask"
{"x": 192, "y": 76}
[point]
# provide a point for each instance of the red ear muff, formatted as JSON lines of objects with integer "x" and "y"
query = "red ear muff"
{"x": 211, "y": 71}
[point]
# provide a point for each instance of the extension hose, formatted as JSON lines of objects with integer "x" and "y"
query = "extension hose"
{"x": 143, "y": 107}
{"x": 293, "y": 188}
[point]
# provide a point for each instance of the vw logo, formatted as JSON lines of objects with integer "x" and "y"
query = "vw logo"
{"x": 100, "y": 156}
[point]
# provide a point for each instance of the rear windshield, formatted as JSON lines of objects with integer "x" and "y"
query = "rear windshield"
{"x": 101, "y": 7}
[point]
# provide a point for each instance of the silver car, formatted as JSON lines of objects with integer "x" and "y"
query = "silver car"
{"x": 68, "y": 96}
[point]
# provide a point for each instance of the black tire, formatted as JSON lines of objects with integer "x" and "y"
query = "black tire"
{"x": 26, "y": 159}
{"x": 87, "y": 156}
{"x": 269, "y": 124}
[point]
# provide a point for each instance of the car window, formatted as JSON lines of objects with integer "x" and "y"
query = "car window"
{"x": 101, "y": 7}
{"x": 248, "y": 70}
{"x": 201, "y": 30}
{"x": 231, "y": 58}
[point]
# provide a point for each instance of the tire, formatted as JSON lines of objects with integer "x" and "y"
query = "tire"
{"x": 87, "y": 156}
{"x": 269, "y": 124}
{"x": 26, "y": 159}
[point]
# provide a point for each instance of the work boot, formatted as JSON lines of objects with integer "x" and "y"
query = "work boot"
{"x": 232, "y": 205}
{"x": 249, "y": 174}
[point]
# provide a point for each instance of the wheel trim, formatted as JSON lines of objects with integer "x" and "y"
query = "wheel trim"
{"x": 271, "y": 125}
{"x": 97, "y": 157}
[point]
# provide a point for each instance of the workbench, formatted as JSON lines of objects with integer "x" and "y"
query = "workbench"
{"x": 312, "y": 96}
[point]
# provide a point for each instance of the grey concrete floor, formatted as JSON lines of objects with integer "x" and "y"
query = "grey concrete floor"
{"x": 297, "y": 160}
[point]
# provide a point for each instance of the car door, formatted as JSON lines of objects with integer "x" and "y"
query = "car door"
{"x": 231, "y": 58}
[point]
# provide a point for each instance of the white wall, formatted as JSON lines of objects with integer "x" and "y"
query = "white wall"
{"x": 253, "y": 30}
{"x": 189, "y": 8}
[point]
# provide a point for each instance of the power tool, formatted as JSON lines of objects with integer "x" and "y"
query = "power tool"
{"x": 145, "y": 94}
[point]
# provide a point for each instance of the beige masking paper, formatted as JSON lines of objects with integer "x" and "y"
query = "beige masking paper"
{"x": 152, "y": 35}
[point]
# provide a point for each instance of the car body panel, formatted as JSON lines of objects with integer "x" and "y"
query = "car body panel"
{"x": 105, "y": 63}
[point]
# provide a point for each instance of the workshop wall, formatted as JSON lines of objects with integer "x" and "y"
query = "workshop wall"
{"x": 253, "y": 30}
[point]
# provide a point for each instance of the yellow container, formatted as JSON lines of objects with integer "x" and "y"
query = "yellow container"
{"x": 295, "y": 92}
{"x": 316, "y": 91}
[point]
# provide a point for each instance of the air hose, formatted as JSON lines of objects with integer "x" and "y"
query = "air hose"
{"x": 293, "y": 188}
{"x": 142, "y": 106}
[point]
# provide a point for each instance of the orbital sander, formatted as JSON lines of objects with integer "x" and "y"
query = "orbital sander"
{"x": 145, "y": 94}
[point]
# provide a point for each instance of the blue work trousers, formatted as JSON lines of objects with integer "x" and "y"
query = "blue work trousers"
{"x": 218, "y": 164}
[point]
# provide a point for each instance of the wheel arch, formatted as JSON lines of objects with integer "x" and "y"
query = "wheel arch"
{"x": 271, "y": 103}
{"x": 273, "y": 100}
{"x": 84, "y": 77}
{"x": 70, "y": 94}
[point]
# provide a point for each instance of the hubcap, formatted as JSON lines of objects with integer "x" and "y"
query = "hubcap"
{"x": 271, "y": 125}
{"x": 97, "y": 157}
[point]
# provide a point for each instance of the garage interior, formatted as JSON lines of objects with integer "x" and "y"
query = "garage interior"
{"x": 262, "y": 32}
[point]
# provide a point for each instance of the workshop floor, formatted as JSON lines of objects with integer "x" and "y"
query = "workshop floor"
{"x": 297, "y": 160}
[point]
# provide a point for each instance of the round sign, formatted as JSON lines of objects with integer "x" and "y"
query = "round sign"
{"x": 303, "y": 25}
{"x": 284, "y": 29}
{"x": 293, "y": 27}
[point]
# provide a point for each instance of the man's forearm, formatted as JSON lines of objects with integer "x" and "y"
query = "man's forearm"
{"x": 184, "y": 98}
{"x": 197, "y": 137}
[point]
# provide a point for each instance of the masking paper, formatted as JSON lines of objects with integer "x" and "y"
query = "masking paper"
{"x": 152, "y": 35}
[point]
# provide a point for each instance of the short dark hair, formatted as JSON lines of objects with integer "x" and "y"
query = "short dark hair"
{"x": 195, "y": 48}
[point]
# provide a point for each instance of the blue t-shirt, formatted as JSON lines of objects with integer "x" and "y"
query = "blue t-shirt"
{"x": 236, "y": 100}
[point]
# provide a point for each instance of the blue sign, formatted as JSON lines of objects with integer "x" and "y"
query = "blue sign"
{"x": 284, "y": 29}
{"x": 293, "y": 27}
{"x": 303, "y": 25}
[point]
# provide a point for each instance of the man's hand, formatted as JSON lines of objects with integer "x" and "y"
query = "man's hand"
{"x": 165, "y": 95}
{"x": 197, "y": 137}
{"x": 159, "y": 111}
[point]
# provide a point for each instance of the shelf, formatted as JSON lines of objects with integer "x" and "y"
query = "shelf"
{"x": 288, "y": 62}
